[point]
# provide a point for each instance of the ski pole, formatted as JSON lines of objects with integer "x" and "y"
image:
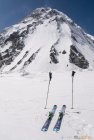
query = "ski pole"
{"x": 73, "y": 73}
{"x": 72, "y": 92}
{"x": 47, "y": 94}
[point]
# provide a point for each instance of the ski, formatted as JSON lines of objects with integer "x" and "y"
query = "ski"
{"x": 48, "y": 121}
{"x": 59, "y": 120}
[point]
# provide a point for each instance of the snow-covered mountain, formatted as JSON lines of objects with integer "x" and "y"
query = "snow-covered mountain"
{"x": 46, "y": 40}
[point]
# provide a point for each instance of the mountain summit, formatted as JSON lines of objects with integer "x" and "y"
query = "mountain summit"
{"x": 46, "y": 40}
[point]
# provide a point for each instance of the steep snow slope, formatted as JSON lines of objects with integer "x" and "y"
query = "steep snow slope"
{"x": 45, "y": 40}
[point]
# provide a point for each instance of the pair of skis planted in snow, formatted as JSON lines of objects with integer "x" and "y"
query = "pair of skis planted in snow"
{"x": 59, "y": 120}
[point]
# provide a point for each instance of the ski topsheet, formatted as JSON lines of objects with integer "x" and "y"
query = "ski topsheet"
{"x": 48, "y": 121}
{"x": 59, "y": 120}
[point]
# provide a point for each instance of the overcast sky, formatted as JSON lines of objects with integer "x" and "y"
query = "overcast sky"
{"x": 81, "y": 11}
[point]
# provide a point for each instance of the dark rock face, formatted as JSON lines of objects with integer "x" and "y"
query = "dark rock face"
{"x": 53, "y": 12}
{"x": 53, "y": 55}
{"x": 31, "y": 58}
{"x": 19, "y": 62}
{"x": 77, "y": 58}
{"x": 64, "y": 52}
{"x": 1, "y": 40}
{"x": 73, "y": 37}
{"x": 14, "y": 50}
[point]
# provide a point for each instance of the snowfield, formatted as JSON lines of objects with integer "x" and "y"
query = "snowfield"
{"x": 22, "y": 102}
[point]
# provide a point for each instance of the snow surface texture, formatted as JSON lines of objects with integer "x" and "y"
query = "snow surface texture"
{"x": 22, "y": 102}
{"x": 45, "y": 40}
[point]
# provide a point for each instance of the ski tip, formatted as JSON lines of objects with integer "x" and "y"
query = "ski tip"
{"x": 44, "y": 129}
{"x": 55, "y": 129}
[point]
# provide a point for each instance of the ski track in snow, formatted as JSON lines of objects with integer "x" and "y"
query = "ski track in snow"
{"x": 22, "y": 102}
